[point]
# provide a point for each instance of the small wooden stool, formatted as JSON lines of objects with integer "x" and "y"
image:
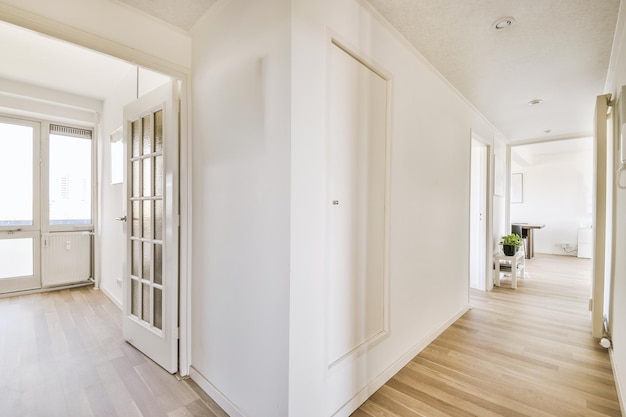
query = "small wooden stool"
{"x": 517, "y": 263}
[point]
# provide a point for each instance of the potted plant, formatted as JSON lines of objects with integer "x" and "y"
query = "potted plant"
{"x": 511, "y": 244}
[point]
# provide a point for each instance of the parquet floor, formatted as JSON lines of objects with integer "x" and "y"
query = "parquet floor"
{"x": 62, "y": 355}
{"x": 524, "y": 352}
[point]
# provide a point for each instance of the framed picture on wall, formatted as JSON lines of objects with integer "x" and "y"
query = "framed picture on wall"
{"x": 517, "y": 188}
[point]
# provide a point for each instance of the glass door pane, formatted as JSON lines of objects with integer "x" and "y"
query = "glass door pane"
{"x": 146, "y": 213}
{"x": 16, "y": 175}
{"x": 16, "y": 258}
{"x": 19, "y": 261}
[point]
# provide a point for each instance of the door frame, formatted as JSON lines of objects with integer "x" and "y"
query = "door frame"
{"x": 489, "y": 156}
{"x": 97, "y": 42}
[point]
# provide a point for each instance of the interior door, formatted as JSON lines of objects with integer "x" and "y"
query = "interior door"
{"x": 19, "y": 210}
{"x": 357, "y": 307}
{"x": 150, "y": 301}
{"x": 478, "y": 225}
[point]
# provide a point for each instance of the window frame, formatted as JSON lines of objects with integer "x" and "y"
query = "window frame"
{"x": 46, "y": 227}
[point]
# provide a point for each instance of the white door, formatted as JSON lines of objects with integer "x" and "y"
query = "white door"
{"x": 19, "y": 207}
{"x": 150, "y": 301}
{"x": 356, "y": 203}
{"x": 478, "y": 225}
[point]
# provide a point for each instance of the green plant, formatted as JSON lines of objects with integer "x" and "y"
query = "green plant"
{"x": 512, "y": 240}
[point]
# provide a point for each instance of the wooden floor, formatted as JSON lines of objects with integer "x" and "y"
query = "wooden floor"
{"x": 524, "y": 352}
{"x": 62, "y": 354}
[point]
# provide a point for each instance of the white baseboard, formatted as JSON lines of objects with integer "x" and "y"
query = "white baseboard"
{"x": 618, "y": 385}
{"x": 217, "y": 396}
{"x": 110, "y": 296}
{"x": 359, "y": 398}
{"x": 395, "y": 367}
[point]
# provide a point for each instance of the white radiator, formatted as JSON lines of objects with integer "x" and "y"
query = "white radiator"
{"x": 65, "y": 258}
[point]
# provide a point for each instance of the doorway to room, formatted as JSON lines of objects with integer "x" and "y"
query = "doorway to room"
{"x": 479, "y": 216}
{"x": 140, "y": 274}
{"x": 551, "y": 198}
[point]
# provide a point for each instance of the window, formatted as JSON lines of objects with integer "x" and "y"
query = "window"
{"x": 70, "y": 170}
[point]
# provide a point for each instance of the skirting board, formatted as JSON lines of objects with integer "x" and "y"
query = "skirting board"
{"x": 618, "y": 385}
{"x": 221, "y": 400}
{"x": 111, "y": 297}
{"x": 394, "y": 368}
{"x": 358, "y": 399}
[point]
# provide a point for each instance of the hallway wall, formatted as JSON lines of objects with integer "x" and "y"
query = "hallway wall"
{"x": 430, "y": 130}
{"x": 241, "y": 206}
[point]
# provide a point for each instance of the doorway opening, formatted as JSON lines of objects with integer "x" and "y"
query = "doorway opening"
{"x": 551, "y": 200}
{"x": 480, "y": 248}
{"x": 83, "y": 88}
{"x": 552, "y": 185}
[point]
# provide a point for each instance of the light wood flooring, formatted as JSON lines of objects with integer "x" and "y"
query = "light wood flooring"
{"x": 524, "y": 352}
{"x": 62, "y": 354}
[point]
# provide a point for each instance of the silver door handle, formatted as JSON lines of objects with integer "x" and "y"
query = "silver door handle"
{"x": 121, "y": 219}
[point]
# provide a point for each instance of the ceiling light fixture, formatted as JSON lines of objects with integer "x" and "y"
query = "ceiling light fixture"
{"x": 534, "y": 102}
{"x": 503, "y": 23}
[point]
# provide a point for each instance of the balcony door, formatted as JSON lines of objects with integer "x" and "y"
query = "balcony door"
{"x": 46, "y": 207}
{"x": 19, "y": 205}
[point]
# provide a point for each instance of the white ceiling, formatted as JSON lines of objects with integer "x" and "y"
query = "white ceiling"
{"x": 556, "y": 50}
{"x": 32, "y": 58}
{"x": 180, "y": 13}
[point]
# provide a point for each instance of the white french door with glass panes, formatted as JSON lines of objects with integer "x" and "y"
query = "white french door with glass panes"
{"x": 46, "y": 175}
{"x": 151, "y": 178}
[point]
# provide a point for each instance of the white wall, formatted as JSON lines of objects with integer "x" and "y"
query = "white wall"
{"x": 617, "y": 78}
{"x": 557, "y": 192}
{"x": 241, "y": 206}
{"x": 430, "y": 164}
{"x": 111, "y": 256}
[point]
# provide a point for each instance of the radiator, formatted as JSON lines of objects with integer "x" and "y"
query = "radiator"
{"x": 65, "y": 258}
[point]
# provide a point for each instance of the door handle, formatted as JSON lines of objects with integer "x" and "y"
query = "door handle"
{"x": 121, "y": 219}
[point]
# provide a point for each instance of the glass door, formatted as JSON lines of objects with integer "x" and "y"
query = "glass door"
{"x": 151, "y": 281}
{"x": 19, "y": 205}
